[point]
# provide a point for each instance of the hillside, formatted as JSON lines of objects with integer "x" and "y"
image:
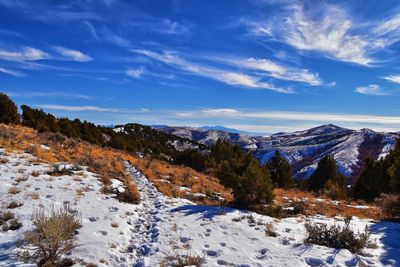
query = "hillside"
{"x": 303, "y": 149}
{"x": 161, "y": 230}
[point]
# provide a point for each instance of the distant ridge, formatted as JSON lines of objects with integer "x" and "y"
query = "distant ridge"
{"x": 303, "y": 149}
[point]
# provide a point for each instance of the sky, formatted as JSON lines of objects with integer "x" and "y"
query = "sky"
{"x": 255, "y": 65}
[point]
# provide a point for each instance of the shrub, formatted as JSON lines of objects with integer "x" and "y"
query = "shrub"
{"x": 130, "y": 195}
{"x": 337, "y": 236}
{"x": 14, "y": 204}
{"x": 270, "y": 231}
{"x": 177, "y": 260}
{"x": 8, "y": 221}
{"x": 53, "y": 234}
{"x": 390, "y": 205}
{"x": 14, "y": 191}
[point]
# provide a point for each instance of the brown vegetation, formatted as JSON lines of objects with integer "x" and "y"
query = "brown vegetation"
{"x": 107, "y": 163}
{"x": 311, "y": 204}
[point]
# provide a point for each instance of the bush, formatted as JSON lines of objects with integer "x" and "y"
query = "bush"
{"x": 53, "y": 234}
{"x": 130, "y": 195}
{"x": 270, "y": 231}
{"x": 337, "y": 236}
{"x": 390, "y": 205}
{"x": 8, "y": 110}
{"x": 9, "y": 222}
{"x": 177, "y": 260}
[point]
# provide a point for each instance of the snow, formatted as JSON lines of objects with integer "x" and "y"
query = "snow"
{"x": 161, "y": 226}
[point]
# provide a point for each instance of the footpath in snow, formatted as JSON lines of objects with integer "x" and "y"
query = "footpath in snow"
{"x": 121, "y": 234}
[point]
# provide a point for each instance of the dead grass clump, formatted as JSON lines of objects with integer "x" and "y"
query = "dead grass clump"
{"x": 9, "y": 222}
{"x": 35, "y": 173}
{"x": 14, "y": 204}
{"x": 4, "y": 160}
{"x": 14, "y": 191}
{"x": 53, "y": 235}
{"x": 34, "y": 196}
{"x": 270, "y": 231}
{"x": 182, "y": 260}
{"x": 337, "y": 236}
{"x": 114, "y": 225}
{"x": 130, "y": 195}
{"x": 390, "y": 205}
{"x": 43, "y": 154}
{"x": 21, "y": 179}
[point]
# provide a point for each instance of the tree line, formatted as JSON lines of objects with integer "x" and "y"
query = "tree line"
{"x": 252, "y": 183}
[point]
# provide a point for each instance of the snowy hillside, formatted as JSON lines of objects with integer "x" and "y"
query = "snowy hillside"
{"x": 303, "y": 149}
{"x": 159, "y": 228}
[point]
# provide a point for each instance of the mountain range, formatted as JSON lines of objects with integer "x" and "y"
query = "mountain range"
{"x": 303, "y": 149}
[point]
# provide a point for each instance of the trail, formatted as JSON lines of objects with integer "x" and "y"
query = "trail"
{"x": 146, "y": 229}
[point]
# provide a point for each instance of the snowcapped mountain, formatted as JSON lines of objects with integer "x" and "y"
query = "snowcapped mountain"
{"x": 303, "y": 149}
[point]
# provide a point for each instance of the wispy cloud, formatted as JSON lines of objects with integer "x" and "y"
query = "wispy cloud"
{"x": 49, "y": 94}
{"x": 392, "y": 78}
{"x": 73, "y": 55}
{"x": 11, "y": 72}
{"x": 273, "y": 69}
{"x": 81, "y": 108}
{"x": 24, "y": 54}
{"x": 329, "y": 30}
{"x": 219, "y": 74}
{"x": 135, "y": 73}
{"x": 372, "y": 89}
{"x": 285, "y": 116}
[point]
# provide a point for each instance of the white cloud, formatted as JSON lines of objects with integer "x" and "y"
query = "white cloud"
{"x": 50, "y": 94}
{"x": 372, "y": 89}
{"x": 393, "y": 78}
{"x": 329, "y": 30}
{"x": 25, "y": 54}
{"x": 287, "y": 116}
{"x": 11, "y": 72}
{"x": 135, "y": 73}
{"x": 222, "y": 75}
{"x": 278, "y": 71}
{"x": 81, "y": 108}
{"x": 74, "y": 55}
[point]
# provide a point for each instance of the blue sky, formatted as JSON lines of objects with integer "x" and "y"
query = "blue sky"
{"x": 261, "y": 66}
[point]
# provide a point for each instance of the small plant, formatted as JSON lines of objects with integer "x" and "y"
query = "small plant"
{"x": 270, "y": 231}
{"x": 14, "y": 204}
{"x": 53, "y": 234}
{"x": 177, "y": 260}
{"x": 21, "y": 179}
{"x": 14, "y": 191}
{"x": 35, "y": 173}
{"x": 8, "y": 221}
{"x": 4, "y": 160}
{"x": 337, "y": 236}
{"x": 114, "y": 225}
{"x": 130, "y": 195}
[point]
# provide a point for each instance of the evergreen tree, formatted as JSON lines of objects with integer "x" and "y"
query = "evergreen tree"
{"x": 8, "y": 110}
{"x": 327, "y": 171}
{"x": 250, "y": 182}
{"x": 280, "y": 170}
{"x": 394, "y": 169}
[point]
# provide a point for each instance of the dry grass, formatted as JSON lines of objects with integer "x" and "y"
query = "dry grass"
{"x": 169, "y": 178}
{"x": 14, "y": 191}
{"x": 107, "y": 163}
{"x": 323, "y": 205}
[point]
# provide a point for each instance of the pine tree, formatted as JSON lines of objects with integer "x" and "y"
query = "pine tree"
{"x": 280, "y": 170}
{"x": 394, "y": 169}
{"x": 327, "y": 172}
{"x": 8, "y": 110}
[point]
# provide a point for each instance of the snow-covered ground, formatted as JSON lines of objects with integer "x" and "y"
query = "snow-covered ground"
{"x": 121, "y": 234}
